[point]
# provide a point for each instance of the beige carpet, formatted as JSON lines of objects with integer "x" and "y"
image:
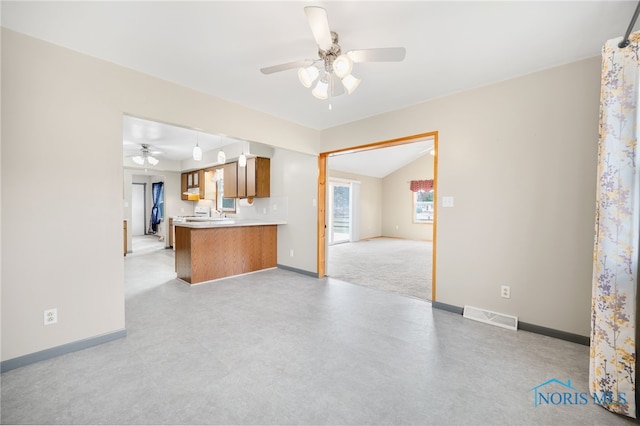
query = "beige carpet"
{"x": 389, "y": 264}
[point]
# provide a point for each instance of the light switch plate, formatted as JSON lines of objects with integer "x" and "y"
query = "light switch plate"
{"x": 447, "y": 201}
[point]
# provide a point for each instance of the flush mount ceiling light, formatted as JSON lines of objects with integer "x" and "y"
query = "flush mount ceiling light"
{"x": 197, "y": 151}
{"x": 332, "y": 70}
{"x": 145, "y": 156}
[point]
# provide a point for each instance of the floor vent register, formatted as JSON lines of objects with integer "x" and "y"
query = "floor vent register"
{"x": 490, "y": 317}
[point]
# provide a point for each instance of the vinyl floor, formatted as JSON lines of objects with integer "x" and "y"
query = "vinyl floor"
{"x": 276, "y": 347}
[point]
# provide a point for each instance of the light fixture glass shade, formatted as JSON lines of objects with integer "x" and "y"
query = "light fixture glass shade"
{"x": 197, "y": 153}
{"x": 308, "y": 75}
{"x": 222, "y": 158}
{"x": 242, "y": 160}
{"x": 152, "y": 160}
{"x": 138, "y": 159}
{"x": 342, "y": 66}
{"x": 321, "y": 90}
{"x": 350, "y": 83}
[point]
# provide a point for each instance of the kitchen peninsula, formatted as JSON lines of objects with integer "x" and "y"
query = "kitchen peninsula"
{"x": 211, "y": 249}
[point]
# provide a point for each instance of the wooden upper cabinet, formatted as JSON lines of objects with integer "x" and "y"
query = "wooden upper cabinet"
{"x": 230, "y": 180}
{"x": 253, "y": 180}
{"x": 242, "y": 182}
{"x": 199, "y": 182}
{"x": 184, "y": 186}
{"x": 258, "y": 177}
{"x": 188, "y": 180}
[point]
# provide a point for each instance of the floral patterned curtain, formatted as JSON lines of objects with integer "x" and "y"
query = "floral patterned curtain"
{"x": 612, "y": 367}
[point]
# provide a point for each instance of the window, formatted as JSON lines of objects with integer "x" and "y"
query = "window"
{"x": 423, "y": 206}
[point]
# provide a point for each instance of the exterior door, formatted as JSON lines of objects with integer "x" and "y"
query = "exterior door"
{"x": 340, "y": 212}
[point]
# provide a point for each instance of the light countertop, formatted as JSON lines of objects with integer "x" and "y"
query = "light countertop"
{"x": 228, "y": 223}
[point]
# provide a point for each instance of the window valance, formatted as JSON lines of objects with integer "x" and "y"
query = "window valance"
{"x": 421, "y": 185}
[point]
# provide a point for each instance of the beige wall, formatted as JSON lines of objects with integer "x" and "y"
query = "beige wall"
{"x": 370, "y": 208}
{"x": 62, "y": 244}
{"x": 294, "y": 178}
{"x": 397, "y": 213}
{"x": 519, "y": 158}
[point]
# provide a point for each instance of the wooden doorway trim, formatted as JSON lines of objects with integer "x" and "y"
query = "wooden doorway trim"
{"x": 322, "y": 195}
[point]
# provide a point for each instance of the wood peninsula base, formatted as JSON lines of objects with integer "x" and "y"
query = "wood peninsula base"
{"x": 204, "y": 254}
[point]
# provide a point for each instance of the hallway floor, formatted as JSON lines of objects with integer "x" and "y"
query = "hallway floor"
{"x": 276, "y": 347}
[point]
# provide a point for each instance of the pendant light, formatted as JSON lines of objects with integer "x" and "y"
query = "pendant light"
{"x": 197, "y": 151}
{"x": 242, "y": 160}
{"x": 222, "y": 158}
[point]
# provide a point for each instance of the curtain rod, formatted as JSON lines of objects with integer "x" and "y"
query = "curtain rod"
{"x": 625, "y": 41}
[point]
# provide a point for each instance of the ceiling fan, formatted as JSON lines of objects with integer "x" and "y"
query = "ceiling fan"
{"x": 146, "y": 155}
{"x": 333, "y": 68}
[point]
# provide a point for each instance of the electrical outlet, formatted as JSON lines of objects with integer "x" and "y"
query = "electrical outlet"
{"x": 505, "y": 291}
{"x": 291, "y": 252}
{"x": 50, "y": 316}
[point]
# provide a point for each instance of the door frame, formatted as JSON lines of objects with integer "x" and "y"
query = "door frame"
{"x": 322, "y": 196}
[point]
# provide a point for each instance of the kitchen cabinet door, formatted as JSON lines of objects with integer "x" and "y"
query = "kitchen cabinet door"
{"x": 230, "y": 179}
{"x": 184, "y": 185}
{"x": 242, "y": 181}
{"x": 258, "y": 177}
{"x": 199, "y": 182}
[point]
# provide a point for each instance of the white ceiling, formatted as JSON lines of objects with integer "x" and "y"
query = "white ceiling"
{"x": 218, "y": 47}
{"x": 166, "y": 141}
{"x": 169, "y": 142}
{"x": 381, "y": 162}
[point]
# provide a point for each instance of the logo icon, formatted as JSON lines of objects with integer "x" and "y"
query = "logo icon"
{"x": 547, "y": 394}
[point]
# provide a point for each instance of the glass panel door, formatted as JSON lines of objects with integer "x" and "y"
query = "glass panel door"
{"x": 339, "y": 212}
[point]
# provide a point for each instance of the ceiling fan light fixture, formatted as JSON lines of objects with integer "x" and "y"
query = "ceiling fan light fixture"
{"x": 152, "y": 160}
{"x": 350, "y": 83}
{"x": 321, "y": 91}
{"x": 138, "y": 159}
{"x": 222, "y": 158}
{"x": 308, "y": 75}
{"x": 342, "y": 66}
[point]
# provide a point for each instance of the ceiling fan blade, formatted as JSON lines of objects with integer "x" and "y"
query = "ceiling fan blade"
{"x": 319, "y": 23}
{"x": 381, "y": 54}
{"x": 287, "y": 66}
{"x": 335, "y": 85}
